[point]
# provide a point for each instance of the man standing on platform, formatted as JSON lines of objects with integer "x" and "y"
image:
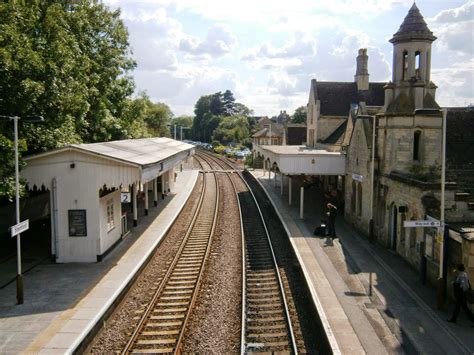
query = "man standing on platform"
{"x": 331, "y": 214}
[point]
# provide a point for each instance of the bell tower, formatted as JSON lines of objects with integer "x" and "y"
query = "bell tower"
{"x": 411, "y": 86}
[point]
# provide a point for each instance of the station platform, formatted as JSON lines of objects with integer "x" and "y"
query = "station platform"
{"x": 62, "y": 302}
{"x": 396, "y": 315}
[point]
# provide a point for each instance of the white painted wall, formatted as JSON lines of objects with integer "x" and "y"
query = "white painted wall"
{"x": 108, "y": 238}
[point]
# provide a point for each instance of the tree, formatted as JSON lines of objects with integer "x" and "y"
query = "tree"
{"x": 241, "y": 109}
{"x": 216, "y": 105}
{"x": 69, "y": 62}
{"x": 228, "y": 103}
{"x": 158, "y": 118}
{"x": 300, "y": 115}
{"x": 232, "y": 129}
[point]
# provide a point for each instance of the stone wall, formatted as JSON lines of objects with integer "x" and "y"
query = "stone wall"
{"x": 327, "y": 125}
{"x": 395, "y": 139}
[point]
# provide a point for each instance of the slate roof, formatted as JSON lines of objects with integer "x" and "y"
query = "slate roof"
{"x": 413, "y": 27}
{"x": 336, "y": 97}
{"x": 138, "y": 152}
{"x": 337, "y": 136}
{"x": 265, "y": 132}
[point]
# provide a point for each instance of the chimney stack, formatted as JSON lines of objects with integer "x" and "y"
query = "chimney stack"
{"x": 362, "y": 72}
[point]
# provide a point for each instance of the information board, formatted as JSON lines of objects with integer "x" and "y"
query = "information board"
{"x": 77, "y": 223}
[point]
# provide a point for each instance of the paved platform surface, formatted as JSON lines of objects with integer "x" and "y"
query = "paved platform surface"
{"x": 398, "y": 317}
{"x": 63, "y": 301}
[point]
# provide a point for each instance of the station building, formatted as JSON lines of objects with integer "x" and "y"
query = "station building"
{"x": 90, "y": 183}
{"x": 400, "y": 125}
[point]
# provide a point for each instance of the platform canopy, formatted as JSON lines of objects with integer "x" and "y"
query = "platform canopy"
{"x": 123, "y": 161}
{"x": 300, "y": 159}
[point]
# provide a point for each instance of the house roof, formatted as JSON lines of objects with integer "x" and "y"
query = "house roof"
{"x": 139, "y": 152}
{"x": 276, "y": 130}
{"x": 413, "y": 27}
{"x": 336, "y": 97}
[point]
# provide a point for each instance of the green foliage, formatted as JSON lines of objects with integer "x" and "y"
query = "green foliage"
{"x": 69, "y": 62}
{"x": 232, "y": 129}
{"x": 219, "y": 117}
{"x": 300, "y": 115}
{"x": 7, "y": 168}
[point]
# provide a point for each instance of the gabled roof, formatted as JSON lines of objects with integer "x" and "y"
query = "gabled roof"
{"x": 413, "y": 27}
{"x": 336, "y": 97}
{"x": 277, "y": 130}
{"x": 337, "y": 136}
{"x": 139, "y": 152}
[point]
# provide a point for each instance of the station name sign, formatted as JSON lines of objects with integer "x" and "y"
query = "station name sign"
{"x": 421, "y": 223}
{"x": 20, "y": 227}
{"x": 357, "y": 177}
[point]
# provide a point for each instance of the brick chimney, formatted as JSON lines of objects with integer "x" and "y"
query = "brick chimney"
{"x": 362, "y": 73}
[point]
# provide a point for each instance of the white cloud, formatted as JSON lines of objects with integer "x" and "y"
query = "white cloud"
{"x": 462, "y": 13}
{"x": 218, "y": 42}
{"x": 456, "y": 84}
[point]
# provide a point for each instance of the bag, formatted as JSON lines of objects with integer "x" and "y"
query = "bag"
{"x": 320, "y": 231}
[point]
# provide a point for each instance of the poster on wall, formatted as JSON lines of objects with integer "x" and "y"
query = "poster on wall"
{"x": 77, "y": 223}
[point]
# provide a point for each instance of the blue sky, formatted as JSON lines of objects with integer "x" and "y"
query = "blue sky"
{"x": 267, "y": 52}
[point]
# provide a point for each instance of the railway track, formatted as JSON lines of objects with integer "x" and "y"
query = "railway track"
{"x": 266, "y": 321}
{"x": 162, "y": 325}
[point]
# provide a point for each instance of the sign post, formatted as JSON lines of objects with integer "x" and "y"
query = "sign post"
{"x": 20, "y": 227}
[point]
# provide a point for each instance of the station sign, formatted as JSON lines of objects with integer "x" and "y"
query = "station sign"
{"x": 421, "y": 223}
{"x": 125, "y": 197}
{"x": 20, "y": 227}
{"x": 357, "y": 177}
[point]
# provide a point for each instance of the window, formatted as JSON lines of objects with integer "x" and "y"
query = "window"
{"x": 110, "y": 214}
{"x": 416, "y": 145}
{"x": 405, "y": 65}
{"x": 417, "y": 64}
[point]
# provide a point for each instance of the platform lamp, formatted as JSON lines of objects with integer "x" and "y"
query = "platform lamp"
{"x": 29, "y": 119}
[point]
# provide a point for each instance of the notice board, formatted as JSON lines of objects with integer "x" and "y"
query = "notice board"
{"x": 77, "y": 223}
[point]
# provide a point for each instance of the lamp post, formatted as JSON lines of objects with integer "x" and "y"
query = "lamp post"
{"x": 19, "y": 276}
{"x": 441, "y": 279}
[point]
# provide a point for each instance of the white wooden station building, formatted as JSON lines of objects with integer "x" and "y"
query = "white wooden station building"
{"x": 87, "y": 183}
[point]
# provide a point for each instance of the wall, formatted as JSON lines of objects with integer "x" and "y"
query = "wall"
{"x": 327, "y": 125}
{"x": 108, "y": 238}
{"x": 395, "y": 142}
{"x": 358, "y": 162}
{"x": 77, "y": 188}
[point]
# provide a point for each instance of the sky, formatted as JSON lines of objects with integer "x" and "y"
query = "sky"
{"x": 267, "y": 52}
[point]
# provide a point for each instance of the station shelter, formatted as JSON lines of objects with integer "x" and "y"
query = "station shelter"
{"x": 89, "y": 182}
{"x": 304, "y": 164}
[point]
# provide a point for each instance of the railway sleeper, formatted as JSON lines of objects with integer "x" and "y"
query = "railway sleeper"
{"x": 267, "y": 327}
{"x": 259, "y": 321}
{"x": 170, "y": 310}
{"x": 167, "y": 316}
{"x": 267, "y": 336}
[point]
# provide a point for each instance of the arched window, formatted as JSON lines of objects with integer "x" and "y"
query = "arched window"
{"x": 405, "y": 65}
{"x": 416, "y": 145}
{"x": 353, "y": 197}
{"x": 359, "y": 199}
{"x": 417, "y": 64}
